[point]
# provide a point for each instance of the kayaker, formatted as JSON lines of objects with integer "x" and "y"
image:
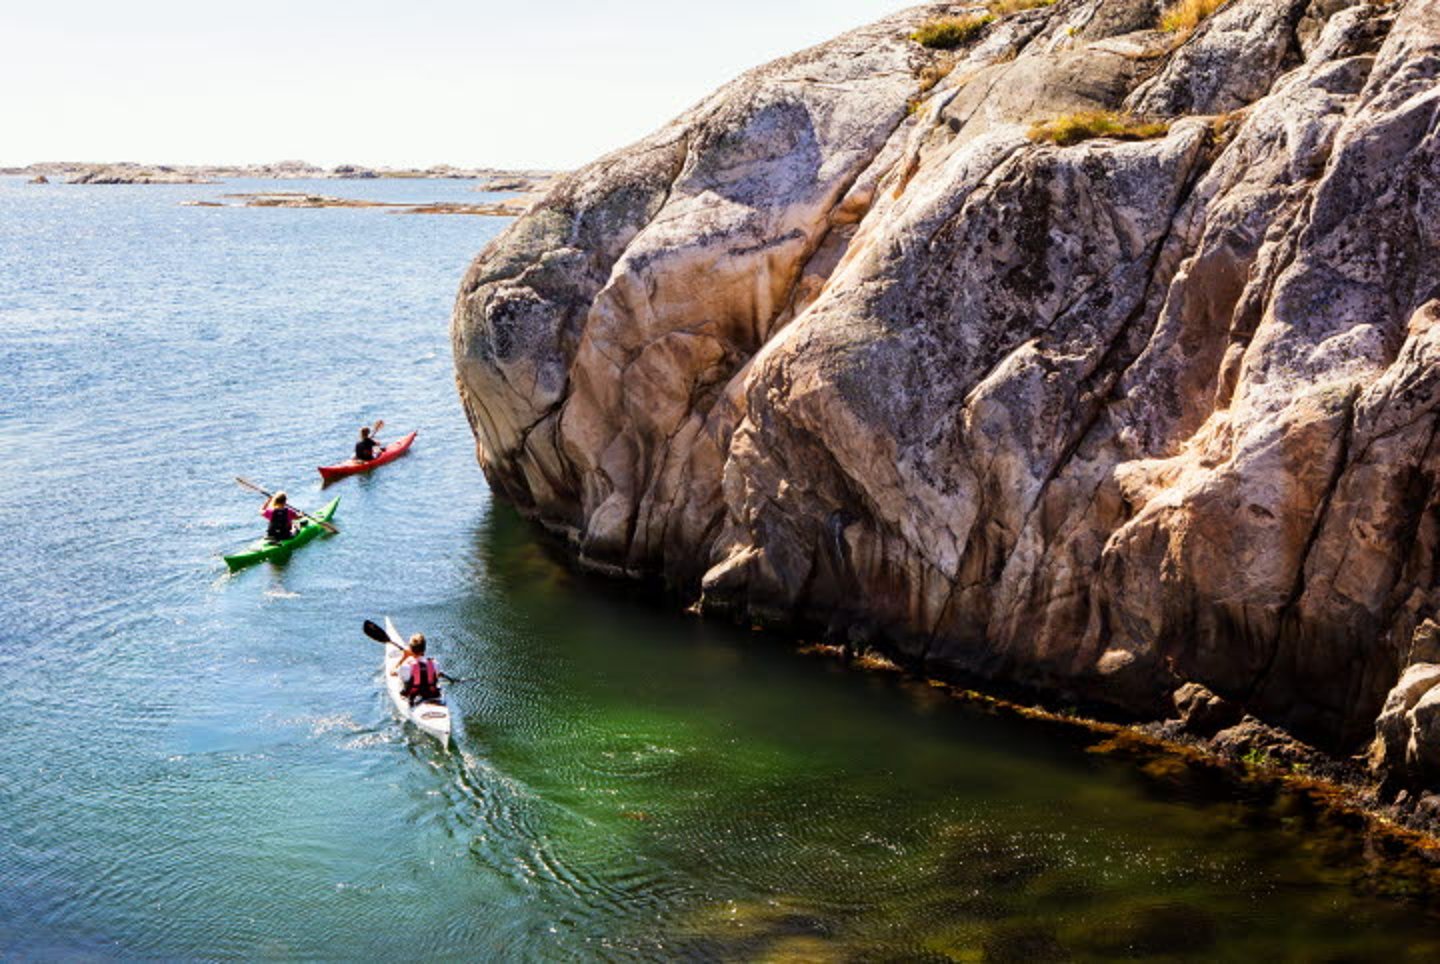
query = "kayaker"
{"x": 282, "y": 518}
{"x": 367, "y": 448}
{"x": 421, "y": 677}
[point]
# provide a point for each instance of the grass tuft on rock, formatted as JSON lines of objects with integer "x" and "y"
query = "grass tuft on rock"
{"x": 1086, "y": 125}
{"x": 936, "y": 72}
{"x": 928, "y": 78}
{"x": 947, "y": 33}
{"x": 1183, "y": 16}
{"x": 1002, "y": 7}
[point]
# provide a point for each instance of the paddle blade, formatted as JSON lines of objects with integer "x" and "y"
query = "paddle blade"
{"x": 379, "y": 424}
{"x": 252, "y": 486}
{"x": 375, "y": 632}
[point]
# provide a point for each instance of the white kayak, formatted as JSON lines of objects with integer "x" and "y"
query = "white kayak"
{"x": 433, "y": 718}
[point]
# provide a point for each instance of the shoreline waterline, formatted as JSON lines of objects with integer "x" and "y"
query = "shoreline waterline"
{"x": 1344, "y": 803}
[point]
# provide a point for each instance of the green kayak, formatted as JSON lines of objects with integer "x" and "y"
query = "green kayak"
{"x": 280, "y": 551}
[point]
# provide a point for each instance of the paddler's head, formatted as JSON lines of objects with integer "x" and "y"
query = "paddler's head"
{"x": 417, "y": 644}
{"x": 279, "y": 498}
{"x": 364, "y": 431}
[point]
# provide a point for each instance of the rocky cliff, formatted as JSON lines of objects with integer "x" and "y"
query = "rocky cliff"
{"x": 851, "y": 345}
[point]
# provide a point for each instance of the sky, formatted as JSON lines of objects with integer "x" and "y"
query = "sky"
{"x": 414, "y": 83}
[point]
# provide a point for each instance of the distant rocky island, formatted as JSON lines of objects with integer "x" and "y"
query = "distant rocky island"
{"x": 505, "y": 207}
{"x": 129, "y": 172}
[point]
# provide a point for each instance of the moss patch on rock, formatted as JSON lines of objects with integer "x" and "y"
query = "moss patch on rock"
{"x": 1087, "y": 125}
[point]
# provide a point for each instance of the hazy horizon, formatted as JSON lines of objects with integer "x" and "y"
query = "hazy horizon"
{"x": 471, "y": 85}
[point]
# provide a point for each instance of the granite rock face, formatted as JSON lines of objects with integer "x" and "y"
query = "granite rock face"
{"x": 843, "y": 348}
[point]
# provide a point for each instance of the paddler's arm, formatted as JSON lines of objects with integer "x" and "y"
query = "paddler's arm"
{"x": 403, "y": 660}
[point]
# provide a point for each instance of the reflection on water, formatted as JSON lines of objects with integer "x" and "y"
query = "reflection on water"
{"x": 208, "y": 765}
{"x": 789, "y": 811}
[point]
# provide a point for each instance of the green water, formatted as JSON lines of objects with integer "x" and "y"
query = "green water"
{"x": 204, "y": 766}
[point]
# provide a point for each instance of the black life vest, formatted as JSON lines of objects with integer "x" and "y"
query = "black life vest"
{"x": 279, "y": 528}
{"x": 424, "y": 685}
{"x": 365, "y": 449}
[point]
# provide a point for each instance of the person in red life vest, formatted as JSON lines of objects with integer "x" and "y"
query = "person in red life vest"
{"x": 420, "y": 677}
{"x": 367, "y": 448}
{"x": 282, "y": 518}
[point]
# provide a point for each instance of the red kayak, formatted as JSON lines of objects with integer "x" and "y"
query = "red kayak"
{"x": 389, "y": 453}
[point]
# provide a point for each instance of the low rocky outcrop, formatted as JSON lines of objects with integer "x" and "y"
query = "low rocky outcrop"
{"x": 136, "y": 174}
{"x": 353, "y": 172}
{"x": 526, "y": 182}
{"x": 1204, "y": 713}
{"x": 844, "y": 348}
{"x": 507, "y": 208}
{"x": 507, "y": 184}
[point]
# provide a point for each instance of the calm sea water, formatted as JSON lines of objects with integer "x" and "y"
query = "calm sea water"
{"x": 197, "y": 765}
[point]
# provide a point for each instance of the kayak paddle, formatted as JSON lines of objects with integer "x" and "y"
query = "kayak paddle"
{"x": 304, "y": 515}
{"x": 380, "y": 636}
{"x": 375, "y": 431}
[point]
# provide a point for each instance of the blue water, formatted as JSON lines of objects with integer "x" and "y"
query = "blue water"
{"x": 198, "y": 765}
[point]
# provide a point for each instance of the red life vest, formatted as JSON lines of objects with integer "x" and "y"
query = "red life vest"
{"x": 424, "y": 682}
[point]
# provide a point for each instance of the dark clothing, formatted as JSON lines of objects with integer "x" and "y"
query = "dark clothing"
{"x": 282, "y": 521}
{"x": 365, "y": 450}
{"x": 422, "y": 682}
